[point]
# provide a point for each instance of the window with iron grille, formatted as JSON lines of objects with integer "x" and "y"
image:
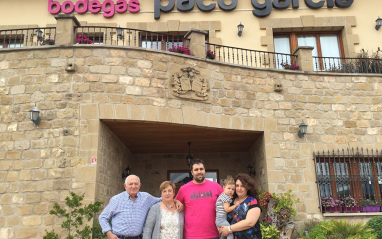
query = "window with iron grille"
{"x": 356, "y": 173}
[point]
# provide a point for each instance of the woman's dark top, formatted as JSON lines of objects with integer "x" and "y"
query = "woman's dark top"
{"x": 240, "y": 213}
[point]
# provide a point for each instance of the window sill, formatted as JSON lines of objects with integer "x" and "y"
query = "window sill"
{"x": 352, "y": 214}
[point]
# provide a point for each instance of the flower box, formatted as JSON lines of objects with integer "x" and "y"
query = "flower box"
{"x": 332, "y": 209}
{"x": 181, "y": 50}
{"x": 371, "y": 208}
{"x": 353, "y": 209}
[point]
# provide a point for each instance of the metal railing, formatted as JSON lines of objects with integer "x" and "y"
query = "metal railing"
{"x": 249, "y": 57}
{"x": 349, "y": 173}
{"x": 127, "y": 37}
{"x": 348, "y": 65}
{"x": 12, "y": 38}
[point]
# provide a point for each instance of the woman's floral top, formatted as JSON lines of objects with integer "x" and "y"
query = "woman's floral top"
{"x": 240, "y": 213}
{"x": 169, "y": 228}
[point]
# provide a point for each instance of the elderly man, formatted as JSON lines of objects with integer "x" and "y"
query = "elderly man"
{"x": 199, "y": 197}
{"x": 128, "y": 211}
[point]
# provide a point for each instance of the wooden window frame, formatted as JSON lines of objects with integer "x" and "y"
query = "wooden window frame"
{"x": 293, "y": 41}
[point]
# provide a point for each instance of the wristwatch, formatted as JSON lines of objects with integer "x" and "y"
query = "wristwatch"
{"x": 229, "y": 230}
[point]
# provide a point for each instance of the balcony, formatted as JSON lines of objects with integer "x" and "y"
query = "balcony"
{"x": 128, "y": 37}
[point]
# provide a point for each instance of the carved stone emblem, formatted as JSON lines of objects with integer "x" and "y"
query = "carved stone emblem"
{"x": 187, "y": 84}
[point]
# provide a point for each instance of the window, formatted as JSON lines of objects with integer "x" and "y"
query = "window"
{"x": 181, "y": 177}
{"x": 161, "y": 41}
{"x": 325, "y": 44}
{"x": 11, "y": 41}
{"x": 356, "y": 174}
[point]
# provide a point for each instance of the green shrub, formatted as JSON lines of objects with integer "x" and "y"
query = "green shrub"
{"x": 269, "y": 232}
{"x": 340, "y": 229}
{"x": 319, "y": 231}
{"x": 308, "y": 227}
{"x": 285, "y": 200}
{"x": 75, "y": 217}
{"x": 376, "y": 225}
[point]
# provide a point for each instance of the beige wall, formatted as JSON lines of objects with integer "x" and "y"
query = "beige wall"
{"x": 365, "y": 12}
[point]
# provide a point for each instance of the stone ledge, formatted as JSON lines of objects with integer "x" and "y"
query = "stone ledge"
{"x": 112, "y": 47}
{"x": 351, "y": 214}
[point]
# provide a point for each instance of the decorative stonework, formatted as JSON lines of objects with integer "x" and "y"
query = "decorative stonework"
{"x": 187, "y": 85}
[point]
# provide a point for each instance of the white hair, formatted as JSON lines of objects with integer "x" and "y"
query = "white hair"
{"x": 131, "y": 176}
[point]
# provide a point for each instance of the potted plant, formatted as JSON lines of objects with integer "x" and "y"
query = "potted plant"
{"x": 370, "y": 205}
{"x": 292, "y": 67}
{"x": 264, "y": 198}
{"x": 349, "y": 204}
{"x": 210, "y": 55}
{"x": 268, "y": 231}
{"x": 181, "y": 50}
{"x": 329, "y": 204}
{"x": 48, "y": 42}
{"x": 83, "y": 39}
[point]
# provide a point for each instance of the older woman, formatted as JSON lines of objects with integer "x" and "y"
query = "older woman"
{"x": 163, "y": 220}
{"x": 244, "y": 219}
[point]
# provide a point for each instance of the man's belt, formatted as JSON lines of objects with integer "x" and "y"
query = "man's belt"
{"x": 127, "y": 237}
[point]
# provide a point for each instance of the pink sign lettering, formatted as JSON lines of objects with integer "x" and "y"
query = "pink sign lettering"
{"x": 108, "y": 7}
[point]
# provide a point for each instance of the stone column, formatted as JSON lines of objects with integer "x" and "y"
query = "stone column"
{"x": 65, "y": 29}
{"x": 304, "y": 58}
{"x": 197, "y": 43}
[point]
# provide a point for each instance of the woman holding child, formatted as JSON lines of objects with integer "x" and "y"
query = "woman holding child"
{"x": 244, "y": 219}
{"x": 163, "y": 220}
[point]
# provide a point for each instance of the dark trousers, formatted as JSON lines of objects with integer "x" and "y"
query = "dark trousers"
{"x": 124, "y": 237}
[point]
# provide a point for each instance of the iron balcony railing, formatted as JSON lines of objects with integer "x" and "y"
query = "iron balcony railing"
{"x": 355, "y": 173}
{"x": 12, "y": 38}
{"x": 249, "y": 57}
{"x": 348, "y": 65}
{"x": 128, "y": 37}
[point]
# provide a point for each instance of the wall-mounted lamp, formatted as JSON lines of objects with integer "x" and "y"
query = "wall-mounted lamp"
{"x": 303, "y": 129}
{"x": 249, "y": 168}
{"x": 34, "y": 115}
{"x": 126, "y": 172}
{"x": 39, "y": 35}
{"x": 120, "y": 33}
{"x": 240, "y": 29}
{"x": 378, "y": 23}
{"x": 189, "y": 158}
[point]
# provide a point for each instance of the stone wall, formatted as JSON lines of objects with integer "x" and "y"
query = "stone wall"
{"x": 113, "y": 158}
{"x": 41, "y": 164}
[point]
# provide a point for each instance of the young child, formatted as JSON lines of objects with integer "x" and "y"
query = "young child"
{"x": 223, "y": 204}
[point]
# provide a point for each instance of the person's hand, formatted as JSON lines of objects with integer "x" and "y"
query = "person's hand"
{"x": 224, "y": 231}
{"x": 237, "y": 203}
{"x": 179, "y": 206}
{"x": 110, "y": 235}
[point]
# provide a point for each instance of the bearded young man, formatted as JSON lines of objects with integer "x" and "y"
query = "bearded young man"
{"x": 199, "y": 198}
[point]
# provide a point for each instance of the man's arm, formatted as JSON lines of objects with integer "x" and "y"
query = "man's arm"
{"x": 179, "y": 205}
{"x": 105, "y": 217}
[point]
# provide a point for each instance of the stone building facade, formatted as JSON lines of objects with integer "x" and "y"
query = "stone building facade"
{"x": 41, "y": 164}
{"x": 104, "y": 114}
